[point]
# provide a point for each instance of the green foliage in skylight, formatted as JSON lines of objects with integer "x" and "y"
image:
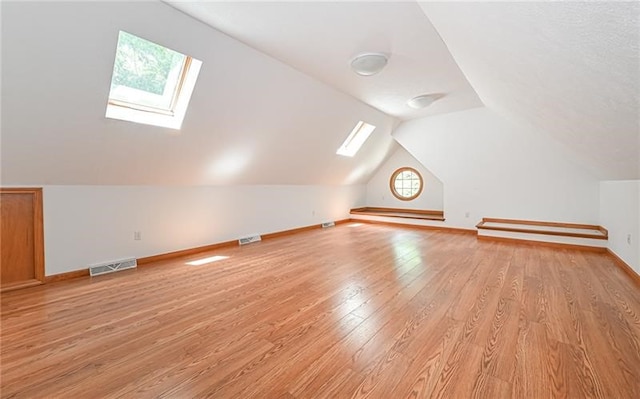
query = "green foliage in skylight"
{"x": 143, "y": 65}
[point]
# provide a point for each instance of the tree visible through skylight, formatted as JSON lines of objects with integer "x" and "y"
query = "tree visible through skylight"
{"x": 151, "y": 84}
{"x": 145, "y": 73}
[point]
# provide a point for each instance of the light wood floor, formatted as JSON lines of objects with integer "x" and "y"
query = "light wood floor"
{"x": 366, "y": 311}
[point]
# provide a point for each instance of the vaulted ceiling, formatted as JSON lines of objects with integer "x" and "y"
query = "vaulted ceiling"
{"x": 571, "y": 69}
{"x": 251, "y": 120}
{"x": 321, "y": 38}
{"x": 276, "y": 97}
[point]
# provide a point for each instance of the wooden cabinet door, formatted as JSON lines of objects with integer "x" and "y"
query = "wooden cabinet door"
{"x": 21, "y": 241}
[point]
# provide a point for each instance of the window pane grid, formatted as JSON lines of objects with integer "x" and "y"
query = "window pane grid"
{"x": 406, "y": 183}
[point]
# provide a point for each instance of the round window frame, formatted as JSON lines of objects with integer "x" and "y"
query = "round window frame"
{"x": 392, "y": 185}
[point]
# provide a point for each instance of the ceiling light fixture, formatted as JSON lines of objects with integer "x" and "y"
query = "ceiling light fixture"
{"x": 422, "y": 101}
{"x": 368, "y": 64}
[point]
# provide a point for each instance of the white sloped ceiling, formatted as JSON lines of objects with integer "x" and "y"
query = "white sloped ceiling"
{"x": 252, "y": 119}
{"x": 321, "y": 37}
{"x": 571, "y": 69}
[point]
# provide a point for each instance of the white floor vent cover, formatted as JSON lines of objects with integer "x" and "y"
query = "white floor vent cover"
{"x": 328, "y": 224}
{"x": 250, "y": 239}
{"x": 113, "y": 266}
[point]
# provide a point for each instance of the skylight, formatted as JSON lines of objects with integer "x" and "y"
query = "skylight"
{"x": 151, "y": 84}
{"x": 356, "y": 139}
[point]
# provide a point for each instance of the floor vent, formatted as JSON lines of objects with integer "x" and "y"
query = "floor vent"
{"x": 328, "y": 224}
{"x": 113, "y": 266}
{"x": 249, "y": 239}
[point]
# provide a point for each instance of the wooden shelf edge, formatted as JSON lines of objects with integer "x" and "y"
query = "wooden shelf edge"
{"x": 418, "y": 217}
{"x": 401, "y": 213}
{"x": 543, "y": 223}
{"x": 401, "y": 210}
{"x": 545, "y": 232}
{"x": 481, "y": 225}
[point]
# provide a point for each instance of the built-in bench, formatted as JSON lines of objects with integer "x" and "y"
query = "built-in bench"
{"x": 553, "y": 232}
{"x": 422, "y": 214}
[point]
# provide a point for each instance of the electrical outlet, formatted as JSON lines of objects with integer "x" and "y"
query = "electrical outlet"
{"x": 137, "y": 235}
{"x": 466, "y": 214}
{"x": 313, "y": 213}
{"x": 629, "y": 238}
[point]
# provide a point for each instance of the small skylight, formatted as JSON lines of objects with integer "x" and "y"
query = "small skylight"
{"x": 356, "y": 139}
{"x": 151, "y": 84}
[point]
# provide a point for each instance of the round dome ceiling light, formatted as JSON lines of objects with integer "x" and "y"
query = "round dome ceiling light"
{"x": 421, "y": 101}
{"x": 368, "y": 64}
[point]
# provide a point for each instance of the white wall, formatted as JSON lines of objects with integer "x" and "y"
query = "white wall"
{"x": 620, "y": 214}
{"x": 492, "y": 167}
{"x": 379, "y": 193}
{"x": 85, "y": 225}
{"x": 251, "y": 120}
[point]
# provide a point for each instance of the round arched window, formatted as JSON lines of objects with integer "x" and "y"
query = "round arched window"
{"x": 406, "y": 184}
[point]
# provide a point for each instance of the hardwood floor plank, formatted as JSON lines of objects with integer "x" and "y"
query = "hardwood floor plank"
{"x": 369, "y": 311}
{"x": 499, "y": 353}
{"x": 429, "y": 360}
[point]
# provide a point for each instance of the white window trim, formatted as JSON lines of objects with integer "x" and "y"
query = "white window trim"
{"x": 356, "y": 139}
{"x": 171, "y": 120}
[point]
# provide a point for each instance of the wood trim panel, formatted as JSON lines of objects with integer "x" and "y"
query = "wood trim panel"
{"x": 382, "y": 209}
{"x": 416, "y": 226}
{"x": 38, "y": 227}
{"x": 481, "y": 225}
{"x": 544, "y": 243}
{"x": 625, "y": 267}
{"x": 400, "y": 213}
{"x": 67, "y": 276}
{"x": 541, "y": 223}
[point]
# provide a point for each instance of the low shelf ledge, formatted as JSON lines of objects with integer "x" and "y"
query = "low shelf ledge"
{"x": 544, "y": 228}
{"x": 403, "y": 213}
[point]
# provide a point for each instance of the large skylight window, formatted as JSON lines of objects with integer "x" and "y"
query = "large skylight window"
{"x": 151, "y": 84}
{"x": 356, "y": 139}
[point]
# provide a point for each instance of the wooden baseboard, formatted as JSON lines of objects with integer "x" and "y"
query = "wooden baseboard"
{"x": 184, "y": 252}
{"x": 544, "y": 243}
{"x": 625, "y": 267}
{"x": 283, "y": 233}
{"x": 19, "y": 285}
{"x": 416, "y": 226}
{"x": 67, "y": 276}
{"x": 190, "y": 251}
